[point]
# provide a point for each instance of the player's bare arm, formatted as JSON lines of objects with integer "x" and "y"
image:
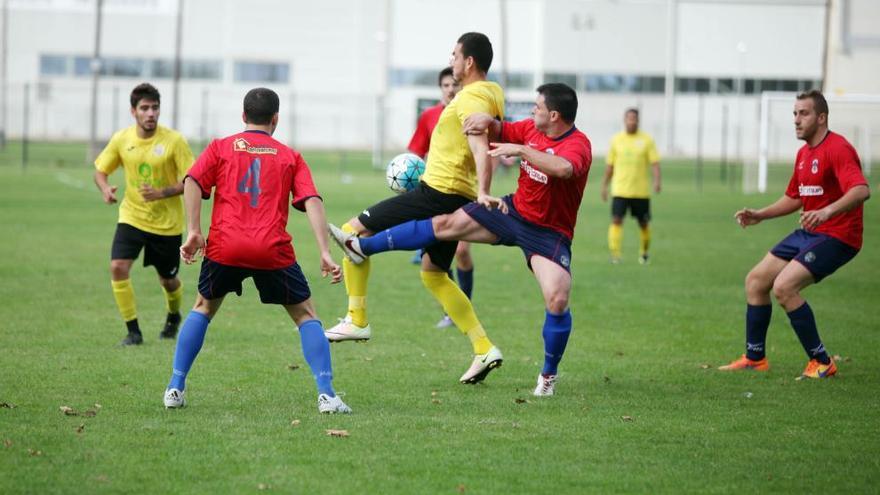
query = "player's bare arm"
{"x": 152, "y": 194}
{"x": 782, "y": 206}
{"x": 552, "y": 165}
{"x": 606, "y": 179}
{"x": 481, "y": 123}
{"x": 655, "y": 168}
{"x": 318, "y": 222}
{"x": 195, "y": 240}
{"x": 479, "y": 145}
{"x": 108, "y": 192}
{"x": 857, "y": 195}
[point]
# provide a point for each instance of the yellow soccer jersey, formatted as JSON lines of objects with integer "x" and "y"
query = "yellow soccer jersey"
{"x": 451, "y": 167}
{"x": 632, "y": 156}
{"x": 161, "y": 161}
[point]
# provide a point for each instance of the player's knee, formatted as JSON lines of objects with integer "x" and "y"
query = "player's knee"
{"x": 442, "y": 224}
{"x": 169, "y": 284}
{"x": 203, "y": 306}
{"x": 119, "y": 269}
{"x": 783, "y": 291}
{"x": 757, "y": 283}
{"x": 557, "y": 302}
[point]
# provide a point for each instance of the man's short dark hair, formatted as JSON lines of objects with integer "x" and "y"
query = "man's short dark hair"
{"x": 260, "y": 105}
{"x": 560, "y": 98}
{"x": 447, "y": 72}
{"x": 820, "y": 105}
{"x": 144, "y": 91}
{"x": 478, "y": 46}
{"x": 631, "y": 110}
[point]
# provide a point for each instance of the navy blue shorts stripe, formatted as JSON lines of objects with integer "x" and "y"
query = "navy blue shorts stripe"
{"x": 514, "y": 230}
{"x": 821, "y": 254}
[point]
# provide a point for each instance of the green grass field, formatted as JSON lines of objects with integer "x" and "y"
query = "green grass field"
{"x": 639, "y": 408}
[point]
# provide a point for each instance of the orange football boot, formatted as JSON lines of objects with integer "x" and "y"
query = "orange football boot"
{"x": 744, "y": 363}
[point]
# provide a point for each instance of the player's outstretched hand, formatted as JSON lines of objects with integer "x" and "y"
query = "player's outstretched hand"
{"x": 477, "y": 123}
{"x": 746, "y": 217}
{"x": 329, "y": 267}
{"x": 150, "y": 193}
{"x": 192, "y": 248}
{"x": 811, "y": 219}
{"x": 491, "y": 203}
{"x": 505, "y": 149}
{"x": 109, "y": 194}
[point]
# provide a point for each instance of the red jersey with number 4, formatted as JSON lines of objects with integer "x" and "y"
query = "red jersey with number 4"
{"x": 821, "y": 176}
{"x": 254, "y": 177}
{"x": 548, "y": 201}
{"x": 421, "y": 138}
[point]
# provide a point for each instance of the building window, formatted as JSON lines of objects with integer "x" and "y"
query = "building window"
{"x": 261, "y": 72}
{"x": 567, "y": 79}
{"x": 53, "y": 65}
{"x": 122, "y": 67}
{"x": 412, "y": 77}
{"x": 189, "y": 69}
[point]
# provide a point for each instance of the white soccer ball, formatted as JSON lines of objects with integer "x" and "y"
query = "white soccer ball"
{"x": 404, "y": 171}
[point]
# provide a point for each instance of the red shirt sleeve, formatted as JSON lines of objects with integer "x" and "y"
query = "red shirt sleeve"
{"x": 578, "y": 153}
{"x": 302, "y": 186}
{"x": 205, "y": 169}
{"x": 421, "y": 138}
{"x": 515, "y": 132}
{"x": 848, "y": 169}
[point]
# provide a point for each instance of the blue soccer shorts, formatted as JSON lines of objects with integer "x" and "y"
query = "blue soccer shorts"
{"x": 282, "y": 286}
{"x": 821, "y": 254}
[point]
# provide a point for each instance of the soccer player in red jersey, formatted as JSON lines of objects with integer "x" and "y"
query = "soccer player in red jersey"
{"x": 828, "y": 187}
{"x": 539, "y": 217}
{"x": 254, "y": 177}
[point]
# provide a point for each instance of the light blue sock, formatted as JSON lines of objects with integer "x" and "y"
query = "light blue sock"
{"x": 557, "y": 328}
{"x": 316, "y": 350}
{"x": 189, "y": 343}
{"x": 407, "y": 236}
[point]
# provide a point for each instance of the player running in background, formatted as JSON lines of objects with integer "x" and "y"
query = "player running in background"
{"x": 458, "y": 171}
{"x": 419, "y": 144}
{"x": 154, "y": 160}
{"x": 632, "y": 151}
{"x": 828, "y": 187}
{"x": 539, "y": 217}
{"x": 254, "y": 178}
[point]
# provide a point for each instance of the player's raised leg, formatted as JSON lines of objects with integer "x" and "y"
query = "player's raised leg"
{"x": 555, "y": 283}
{"x": 758, "y": 284}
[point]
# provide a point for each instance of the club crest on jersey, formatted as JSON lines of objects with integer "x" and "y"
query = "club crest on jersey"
{"x": 815, "y": 167}
{"x": 158, "y": 150}
{"x": 241, "y": 145}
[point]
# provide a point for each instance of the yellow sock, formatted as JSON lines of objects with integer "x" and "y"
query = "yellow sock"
{"x": 644, "y": 239}
{"x": 615, "y": 239}
{"x": 458, "y": 307}
{"x": 356, "y": 277}
{"x": 173, "y": 299}
{"x": 123, "y": 292}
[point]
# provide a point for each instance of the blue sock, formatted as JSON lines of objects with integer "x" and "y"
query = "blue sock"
{"x": 465, "y": 281}
{"x": 757, "y": 323}
{"x": 189, "y": 343}
{"x": 557, "y": 328}
{"x": 407, "y": 236}
{"x": 316, "y": 350}
{"x": 804, "y": 324}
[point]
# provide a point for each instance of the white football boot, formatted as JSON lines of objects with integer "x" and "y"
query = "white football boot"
{"x": 332, "y": 405}
{"x": 546, "y": 386}
{"x": 174, "y": 398}
{"x": 346, "y": 330}
{"x": 445, "y": 322}
{"x": 349, "y": 243}
{"x": 482, "y": 365}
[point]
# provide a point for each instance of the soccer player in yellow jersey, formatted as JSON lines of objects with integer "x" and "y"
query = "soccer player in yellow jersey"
{"x": 155, "y": 159}
{"x": 631, "y": 154}
{"x": 458, "y": 172}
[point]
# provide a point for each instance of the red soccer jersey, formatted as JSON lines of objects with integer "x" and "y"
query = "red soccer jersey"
{"x": 821, "y": 176}
{"x": 421, "y": 138}
{"x": 254, "y": 177}
{"x": 549, "y": 201}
